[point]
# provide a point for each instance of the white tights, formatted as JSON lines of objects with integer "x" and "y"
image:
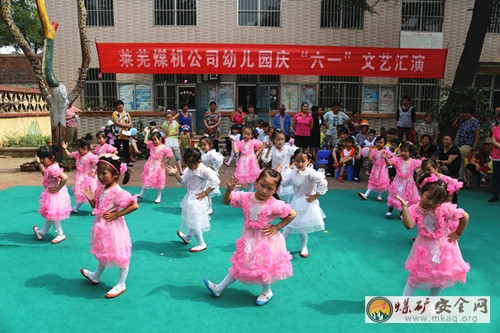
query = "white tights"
{"x": 57, "y": 227}
{"x": 121, "y": 278}
{"x": 303, "y": 237}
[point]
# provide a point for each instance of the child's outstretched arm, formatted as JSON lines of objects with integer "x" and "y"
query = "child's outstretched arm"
{"x": 64, "y": 146}
{"x": 231, "y": 185}
{"x": 110, "y": 216}
{"x": 462, "y": 224}
{"x": 407, "y": 220}
{"x": 40, "y": 165}
{"x": 272, "y": 229}
{"x": 90, "y": 195}
{"x": 172, "y": 171}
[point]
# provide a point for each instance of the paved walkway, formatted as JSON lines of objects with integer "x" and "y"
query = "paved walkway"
{"x": 11, "y": 175}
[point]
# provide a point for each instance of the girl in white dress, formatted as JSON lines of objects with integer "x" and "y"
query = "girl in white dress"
{"x": 200, "y": 180}
{"x": 308, "y": 185}
{"x": 214, "y": 160}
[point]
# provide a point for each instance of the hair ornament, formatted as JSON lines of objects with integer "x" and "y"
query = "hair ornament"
{"x": 431, "y": 179}
{"x": 450, "y": 188}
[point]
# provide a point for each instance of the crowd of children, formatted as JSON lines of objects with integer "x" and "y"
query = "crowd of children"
{"x": 281, "y": 184}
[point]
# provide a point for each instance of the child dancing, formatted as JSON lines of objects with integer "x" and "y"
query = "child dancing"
{"x": 379, "y": 177}
{"x": 235, "y": 136}
{"x": 212, "y": 159}
{"x": 110, "y": 237}
{"x": 86, "y": 163}
{"x": 153, "y": 174}
{"x": 55, "y": 204}
{"x": 308, "y": 185}
{"x": 200, "y": 180}
{"x": 261, "y": 256}
{"x": 435, "y": 261}
{"x": 103, "y": 146}
{"x": 248, "y": 169}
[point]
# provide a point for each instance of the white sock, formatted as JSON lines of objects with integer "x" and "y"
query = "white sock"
{"x": 303, "y": 240}
{"x": 98, "y": 271}
{"x": 46, "y": 227}
{"x": 435, "y": 291}
{"x": 77, "y": 206}
{"x": 57, "y": 226}
{"x": 409, "y": 290}
{"x": 199, "y": 236}
{"x": 367, "y": 193}
{"x": 379, "y": 196}
{"x": 158, "y": 192}
{"x": 225, "y": 282}
{"x": 142, "y": 192}
{"x": 266, "y": 288}
{"x": 123, "y": 276}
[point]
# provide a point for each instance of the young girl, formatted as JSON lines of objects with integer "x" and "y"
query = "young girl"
{"x": 403, "y": 184}
{"x": 153, "y": 175}
{"x": 261, "y": 256}
{"x": 280, "y": 154}
{"x": 200, "y": 180}
{"x": 379, "y": 177}
{"x": 55, "y": 204}
{"x": 435, "y": 261}
{"x": 247, "y": 170}
{"x": 212, "y": 159}
{"x": 308, "y": 185}
{"x": 431, "y": 166}
{"x": 234, "y": 135}
{"x": 86, "y": 164}
{"x": 171, "y": 129}
{"x": 110, "y": 237}
{"x": 104, "y": 147}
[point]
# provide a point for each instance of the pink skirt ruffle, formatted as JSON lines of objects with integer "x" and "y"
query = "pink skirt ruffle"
{"x": 435, "y": 263}
{"x": 379, "y": 179}
{"x": 405, "y": 188}
{"x": 110, "y": 242}
{"x": 260, "y": 259}
{"x": 82, "y": 181}
{"x": 55, "y": 207}
{"x": 153, "y": 175}
{"x": 247, "y": 170}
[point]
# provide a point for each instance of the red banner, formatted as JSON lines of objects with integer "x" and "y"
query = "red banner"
{"x": 177, "y": 58}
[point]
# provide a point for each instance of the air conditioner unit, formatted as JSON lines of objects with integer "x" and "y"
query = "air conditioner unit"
{"x": 213, "y": 77}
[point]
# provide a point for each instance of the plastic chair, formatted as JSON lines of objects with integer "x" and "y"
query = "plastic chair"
{"x": 349, "y": 170}
{"x": 322, "y": 157}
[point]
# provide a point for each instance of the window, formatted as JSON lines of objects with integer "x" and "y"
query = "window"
{"x": 169, "y": 86}
{"x": 136, "y": 97}
{"x": 262, "y": 91}
{"x": 495, "y": 19}
{"x": 341, "y": 14}
{"x": 99, "y": 91}
{"x": 174, "y": 12}
{"x": 347, "y": 90}
{"x": 422, "y": 15}
{"x": 99, "y": 13}
{"x": 424, "y": 93}
{"x": 263, "y": 13}
{"x": 490, "y": 86}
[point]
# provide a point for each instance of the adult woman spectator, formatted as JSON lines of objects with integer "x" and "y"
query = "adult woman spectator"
{"x": 468, "y": 129}
{"x": 251, "y": 119}
{"x": 302, "y": 124}
{"x": 427, "y": 149}
{"x": 495, "y": 157}
{"x": 238, "y": 116}
{"x": 315, "y": 134}
{"x": 184, "y": 118}
{"x": 123, "y": 123}
{"x": 449, "y": 158}
{"x": 212, "y": 121}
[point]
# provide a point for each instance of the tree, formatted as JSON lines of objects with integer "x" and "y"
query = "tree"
{"x": 24, "y": 13}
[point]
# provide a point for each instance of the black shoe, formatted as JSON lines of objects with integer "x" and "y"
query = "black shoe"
{"x": 130, "y": 165}
{"x": 493, "y": 199}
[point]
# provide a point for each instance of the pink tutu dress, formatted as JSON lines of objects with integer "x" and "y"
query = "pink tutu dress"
{"x": 84, "y": 165}
{"x": 54, "y": 206}
{"x": 433, "y": 261}
{"x": 403, "y": 184}
{"x": 379, "y": 178}
{"x": 104, "y": 149}
{"x": 194, "y": 211}
{"x": 248, "y": 169}
{"x": 260, "y": 259}
{"x": 153, "y": 175}
{"x": 110, "y": 241}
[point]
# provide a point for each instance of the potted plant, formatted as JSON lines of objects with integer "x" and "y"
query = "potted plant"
{"x": 30, "y": 166}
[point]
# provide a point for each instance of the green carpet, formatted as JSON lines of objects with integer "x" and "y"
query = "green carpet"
{"x": 362, "y": 254}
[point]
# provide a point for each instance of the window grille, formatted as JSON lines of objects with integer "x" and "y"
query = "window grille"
{"x": 422, "y": 15}
{"x": 100, "y": 13}
{"x": 100, "y": 90}
{"x": 344, "y": 89}
{"x": 174, "y": 12}
{"x": 263, "y": 13}
{"x": 341, "y": 14}
{"x": 495, "y": 19}
{"x": 424, "y": 93}
{"x": 490, "y": 86}
{"x": 165, "y": 89}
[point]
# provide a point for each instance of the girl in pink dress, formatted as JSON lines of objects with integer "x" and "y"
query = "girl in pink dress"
{"x": 261, "y": 256}
{"x": 110, "y": 237}
{"x": 431, "y": 166}
{"x": 435, "y": 261}
{"x": 248, "y": 169}
{"x": 403, "y": 184}
{"x": 103, "y": 146}
{"x": 86, "y": 163}
{"x": 55, "y": 204}
{"x": 379, "y": 177}
{"x": 153, "y": 175}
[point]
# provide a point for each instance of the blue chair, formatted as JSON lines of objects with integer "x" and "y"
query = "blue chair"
{"x": 322, "y": 157}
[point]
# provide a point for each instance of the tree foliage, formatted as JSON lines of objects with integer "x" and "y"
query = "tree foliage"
{"x": 25, "y": 16}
